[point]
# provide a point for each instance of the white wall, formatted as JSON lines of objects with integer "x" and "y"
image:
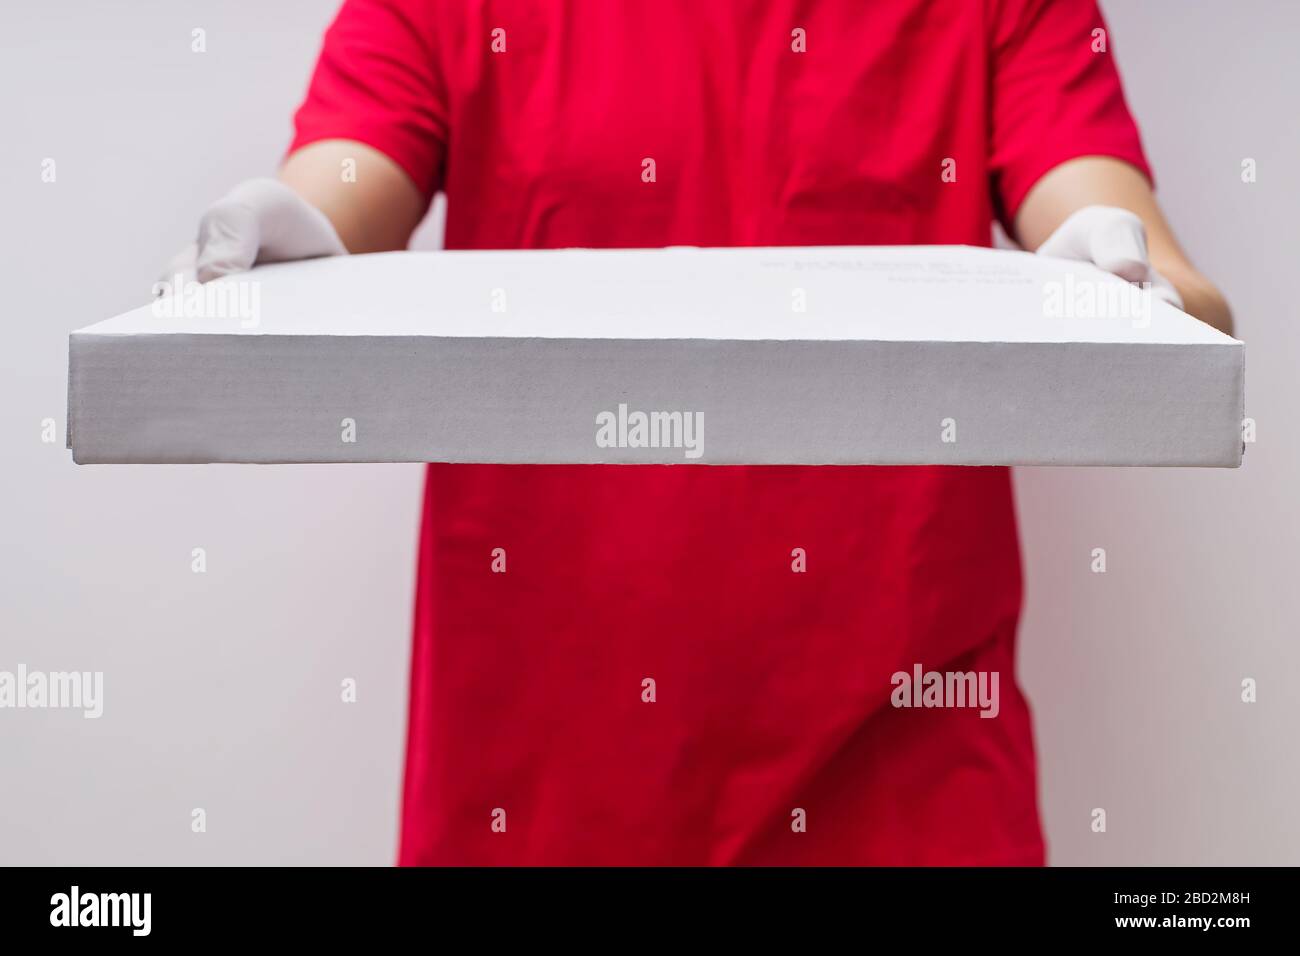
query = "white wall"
{"x": 1135, "y": 675}
{"x": 223, "y": 689}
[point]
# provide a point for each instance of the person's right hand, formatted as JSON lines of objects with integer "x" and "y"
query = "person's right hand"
{"x": 260, "y": 220}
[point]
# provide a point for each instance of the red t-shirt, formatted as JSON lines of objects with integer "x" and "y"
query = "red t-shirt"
{"x": 771, "y": 737}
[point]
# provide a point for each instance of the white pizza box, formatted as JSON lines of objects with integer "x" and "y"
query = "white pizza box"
{"x": 814, "y": 355}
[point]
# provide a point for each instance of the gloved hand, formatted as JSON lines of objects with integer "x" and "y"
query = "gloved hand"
{"x": 1111, "y": 239}
{"x": 260, "y": 220}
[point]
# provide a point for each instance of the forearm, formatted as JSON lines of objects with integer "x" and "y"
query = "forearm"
{"x": 1102, "y": 181}
{"x": 369, "y": 199}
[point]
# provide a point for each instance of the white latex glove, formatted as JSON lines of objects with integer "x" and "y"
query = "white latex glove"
{"x": 260, "y": 220}
{"x": 1111, "y": 239}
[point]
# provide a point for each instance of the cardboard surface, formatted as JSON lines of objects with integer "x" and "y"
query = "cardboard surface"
{"x": 862, "y": 355}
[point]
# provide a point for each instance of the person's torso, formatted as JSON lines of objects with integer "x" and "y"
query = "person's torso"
{"x": 715, "y": 122}
{"x": 727, "y": 122}
{"x": 769, "y": 605}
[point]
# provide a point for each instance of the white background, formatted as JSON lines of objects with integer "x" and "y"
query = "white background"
{"x": 222, "y": 689}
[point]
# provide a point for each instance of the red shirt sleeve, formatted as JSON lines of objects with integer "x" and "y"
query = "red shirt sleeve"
{"x": 1054, "y": 96}
{"x": 377, "y": 82}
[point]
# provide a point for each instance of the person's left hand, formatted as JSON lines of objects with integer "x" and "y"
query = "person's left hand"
{"x": 1111, "y": 239}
